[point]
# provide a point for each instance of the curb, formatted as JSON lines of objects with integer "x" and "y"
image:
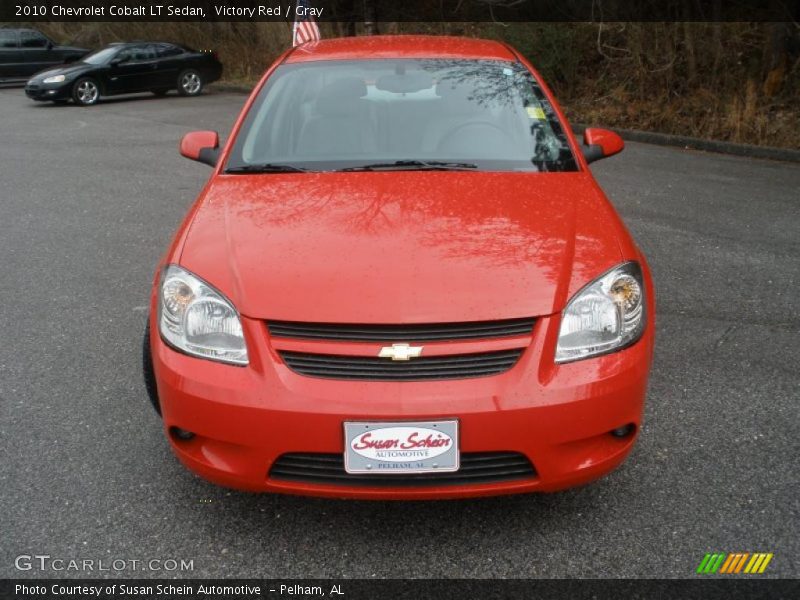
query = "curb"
{"x": 234, "y": 88}
{"x": 645, "y": 137}
{"x": 692, "y": 143}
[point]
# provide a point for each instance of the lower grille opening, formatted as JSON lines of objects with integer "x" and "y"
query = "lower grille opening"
{"x": 476, "y": 468}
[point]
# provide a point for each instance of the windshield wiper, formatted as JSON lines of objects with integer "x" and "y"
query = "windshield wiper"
{"x": 416, "y": 165}
{"x": 266, "y": 168}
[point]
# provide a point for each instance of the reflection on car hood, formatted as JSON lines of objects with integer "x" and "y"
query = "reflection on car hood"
{"x": 402, "y": 246}
{"x": 71, "y": 69}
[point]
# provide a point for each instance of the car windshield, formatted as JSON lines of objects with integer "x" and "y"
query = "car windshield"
{"x": 427, "y": 114}
{"x": 100, "y": 57}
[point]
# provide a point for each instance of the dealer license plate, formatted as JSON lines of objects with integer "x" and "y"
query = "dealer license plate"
{"x": 401, "y": 447}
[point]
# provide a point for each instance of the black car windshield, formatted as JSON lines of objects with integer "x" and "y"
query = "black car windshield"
{"x": 402, "y": 114}
{"x": 100, "y": 57}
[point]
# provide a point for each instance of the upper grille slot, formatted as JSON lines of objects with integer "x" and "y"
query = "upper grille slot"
{"x": 458, "y": 366}
{"x": 404, "y": 333}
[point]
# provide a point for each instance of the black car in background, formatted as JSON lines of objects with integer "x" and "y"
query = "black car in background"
{"x": 23, "y": 52}
{"x": 156, "y": 67}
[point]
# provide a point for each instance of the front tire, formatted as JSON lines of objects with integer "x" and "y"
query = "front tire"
{"x": 190, "y": 83}
{"x": 86, "y": 91}
{"x": 147, "y": 369}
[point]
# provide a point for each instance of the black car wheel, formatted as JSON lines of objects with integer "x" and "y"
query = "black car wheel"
{"x": 190, "y": 83}
{"x": 160, "y": 92}
{"x": 147, "y": 369}
{"x": 86, "y": 91}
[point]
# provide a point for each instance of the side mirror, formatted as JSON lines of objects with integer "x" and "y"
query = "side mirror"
{"x": 50, "y": 45}
{"x": 202, "y": 146}
{"x": 601, "y": 143}
{"x": 118, "y": 60}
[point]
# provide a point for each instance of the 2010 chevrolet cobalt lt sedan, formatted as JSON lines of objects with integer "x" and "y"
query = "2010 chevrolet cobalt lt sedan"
{"x": 401, "y": 281}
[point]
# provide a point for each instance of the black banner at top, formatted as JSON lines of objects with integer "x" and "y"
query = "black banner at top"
{"x": 27, "y": 11}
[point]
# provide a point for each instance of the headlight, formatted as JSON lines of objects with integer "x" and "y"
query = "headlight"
{"x": 606, "y": 315}
{"x": 197, "y": 319}
{"x": 54, "y": 79}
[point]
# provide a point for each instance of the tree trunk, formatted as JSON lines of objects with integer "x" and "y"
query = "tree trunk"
{"x": 370, "y": 20}
{"x": 776, "y": 57}
{"x": 691, "y": 58}
{"x": 716, "y": 33}
{"x": 346, "y": 12}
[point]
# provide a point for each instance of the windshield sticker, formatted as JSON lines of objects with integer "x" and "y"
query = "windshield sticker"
{"x": 535, "y": 112}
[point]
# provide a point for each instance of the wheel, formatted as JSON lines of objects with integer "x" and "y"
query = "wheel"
{"x": 190, "y": 83}
{"x": 160, "y": 92}
{"x": 147, "y": 369}
{"x": 85, "y": 91}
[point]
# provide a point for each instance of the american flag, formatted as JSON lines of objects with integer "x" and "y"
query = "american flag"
{"x": 305, "y": 28}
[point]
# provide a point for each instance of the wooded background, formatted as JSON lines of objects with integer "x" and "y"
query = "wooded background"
{"x": 728, "y": 81}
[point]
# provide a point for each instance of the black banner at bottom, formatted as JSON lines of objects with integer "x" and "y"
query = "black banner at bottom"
{"x": 418, "y": 589}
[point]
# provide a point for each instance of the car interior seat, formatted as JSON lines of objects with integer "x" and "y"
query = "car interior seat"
{"x": 342, "y": 124}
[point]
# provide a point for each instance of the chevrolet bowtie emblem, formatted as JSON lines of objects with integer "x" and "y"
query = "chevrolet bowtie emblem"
{"x": 400, "y": 352}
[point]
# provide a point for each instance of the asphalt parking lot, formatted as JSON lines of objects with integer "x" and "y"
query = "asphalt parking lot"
{"x": 89, "y": 199}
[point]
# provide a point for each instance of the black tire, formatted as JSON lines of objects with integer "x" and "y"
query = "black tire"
{"x": 147, "y": 369}
{"x": 190, "y": 83}
{"x": 86, "y": 91}
{"x": 160, "y": 92}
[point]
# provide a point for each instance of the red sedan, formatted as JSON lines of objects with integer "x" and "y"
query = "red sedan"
{"x": 401, "y": 281}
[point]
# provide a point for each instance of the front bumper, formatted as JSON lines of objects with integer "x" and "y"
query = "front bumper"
{"x": 558, "y": 416}
{"x": 48, "y": 92}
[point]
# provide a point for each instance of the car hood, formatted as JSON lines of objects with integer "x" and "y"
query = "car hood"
{"x": 69, "y": 70}
{"x": 401, "y": 247}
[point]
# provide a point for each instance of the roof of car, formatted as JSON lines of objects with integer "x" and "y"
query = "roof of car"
{"x": 140, "y": 42}
{"x": 401, "y": 46}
